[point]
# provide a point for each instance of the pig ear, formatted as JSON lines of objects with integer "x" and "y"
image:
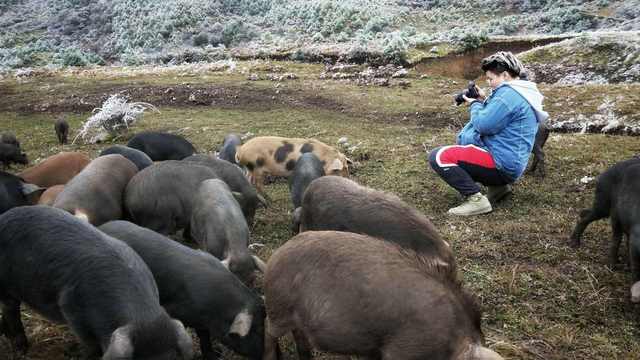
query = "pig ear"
{"x": 336, "y": 165}
{"x": 120, "y": 345}
{"x": 32, "y": 192}
{"x": 295, "y": 222}
{"x": 241, "y": 324}
{"x": 185, "y": 344}
{"x": 225, "y": 263}
{"x": 260, "y": 265}
{"x": 239, "y": 197}
{"x": 349, "y": 161}
{"x": 483, "y": 353}
{"x": 635, "y": 292}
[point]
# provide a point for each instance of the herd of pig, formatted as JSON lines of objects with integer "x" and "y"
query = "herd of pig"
{"x": 85, "y": 242}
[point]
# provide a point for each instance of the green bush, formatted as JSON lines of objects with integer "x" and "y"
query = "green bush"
{"x": 77, "y": 57}
{"x": 202, "y": 39}
{"x": 236, "y": 31}
{"x": 395, "y": 48}
{"x": 471, "y": 41}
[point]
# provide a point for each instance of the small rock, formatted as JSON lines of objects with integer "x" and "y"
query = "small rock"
{"x": 586, "y": 179}
{"x": 253, "y": 77}
{"x": 400, "y": 73}
{"x": 343, "y": 140}
{"x": 192, "y": 97}
{"x": 434, "y": 50}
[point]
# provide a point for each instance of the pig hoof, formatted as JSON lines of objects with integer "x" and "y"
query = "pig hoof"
{"x": 21, "y": 344}
{"x": 635, "y": 293}
{"x": 574, "y": 243}
{"x": 615, "y": 266}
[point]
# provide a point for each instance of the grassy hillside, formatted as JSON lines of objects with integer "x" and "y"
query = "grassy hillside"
{"x": 541, "y": 299}
{"x": 84, "y": 32}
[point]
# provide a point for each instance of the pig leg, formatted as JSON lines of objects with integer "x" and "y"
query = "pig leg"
{"x": 12, "y": 326}
{"x": 586, "y": 218}
{"x": 271, "y": 348}
{"x": 536, "y": 159}
{"x": 302, "y": 345}
{"x": 69, "y": 305}
{"x": 258, "y": 180}
{"x": 186, "y": 233}
{"x": 616, "y": 237}
{"x": 271, "y": 345}
{"x": 208, "y": 351}
{"x": 634, "y": 258}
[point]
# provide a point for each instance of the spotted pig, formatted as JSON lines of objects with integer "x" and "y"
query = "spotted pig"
{"x": 277, "y": 156}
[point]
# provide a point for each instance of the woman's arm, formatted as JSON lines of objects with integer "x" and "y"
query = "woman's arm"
{"x": 491, "y": 117}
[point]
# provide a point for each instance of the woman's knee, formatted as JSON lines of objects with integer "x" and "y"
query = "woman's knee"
{"x": 431, "y": 157}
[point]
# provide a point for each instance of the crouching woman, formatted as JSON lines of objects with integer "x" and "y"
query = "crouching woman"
{"x": 494, "y": 146}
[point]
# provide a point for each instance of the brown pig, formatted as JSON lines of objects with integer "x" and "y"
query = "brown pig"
{"x": 96, "y": 193}
{"x": 277, "y": 156}
{"x": 351, "y": 294}
{"x": 50, "y": 195}
{"x": 56, "y": 170}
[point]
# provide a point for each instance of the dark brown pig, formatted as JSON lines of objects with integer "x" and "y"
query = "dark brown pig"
{"x": 277, "y": 156}
{"x": 62, "y": 130}
{"x": 351, "y": 294}
{"x": 538, "y": 162}
{"x": 337, "y": 203}
{"x": 625, "y": 220}
{"x": 607, "y": 187}
{"x": 56, "y": 170}
{"x": 9, "y": 138}
{"x": 10, "y": 154}
{"x": 96, "y": 194}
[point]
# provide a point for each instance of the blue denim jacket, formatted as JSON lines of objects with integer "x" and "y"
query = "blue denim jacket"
{"x": 505, "y": 125}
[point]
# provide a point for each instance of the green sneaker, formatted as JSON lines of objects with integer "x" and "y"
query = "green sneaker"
{"x": 475, "y": 204}
{"x": 497, "y": 193}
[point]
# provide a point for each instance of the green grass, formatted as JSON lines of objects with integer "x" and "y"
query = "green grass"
{"x": 541, "y": 299}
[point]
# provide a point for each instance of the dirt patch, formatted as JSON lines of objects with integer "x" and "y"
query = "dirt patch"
{"x": 439, "y": 119}
{"x": 467, "y": 64}
{"x": 246, "y": 98}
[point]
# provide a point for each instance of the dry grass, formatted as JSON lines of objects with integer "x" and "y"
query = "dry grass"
{"x": 541, "y": 299}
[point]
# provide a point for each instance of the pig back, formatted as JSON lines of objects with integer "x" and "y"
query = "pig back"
{"x": 58, "y": 169}
{"x": 337, "y": 203}
{"x": 161, "y": 196}
{"x": 162, "y": 146}
{"x": 98, "y": 189}
{"x": 373, "y": 289}
{"x": 235, "y": 179}
{"x": 59, "y": 255}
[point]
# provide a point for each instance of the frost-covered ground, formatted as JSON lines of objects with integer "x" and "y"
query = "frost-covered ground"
{"x": 590, "y": 58}
{"x": 83, "y": 32}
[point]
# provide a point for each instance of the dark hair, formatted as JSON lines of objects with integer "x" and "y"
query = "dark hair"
{"x": 498, "y": 67}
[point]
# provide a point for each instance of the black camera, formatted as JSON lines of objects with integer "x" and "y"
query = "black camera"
{"x": 470, "y": 92}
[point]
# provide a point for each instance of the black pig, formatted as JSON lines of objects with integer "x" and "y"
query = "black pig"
{"x": 162, "y": 146}
{"x": 135, "y": 156}
{"x": 71, "y": 273}
{"x": 196, "y": 289}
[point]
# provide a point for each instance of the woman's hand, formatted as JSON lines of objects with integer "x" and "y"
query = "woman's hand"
{"x": 481, "y": 93}
{"x": 481, "y": 96}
